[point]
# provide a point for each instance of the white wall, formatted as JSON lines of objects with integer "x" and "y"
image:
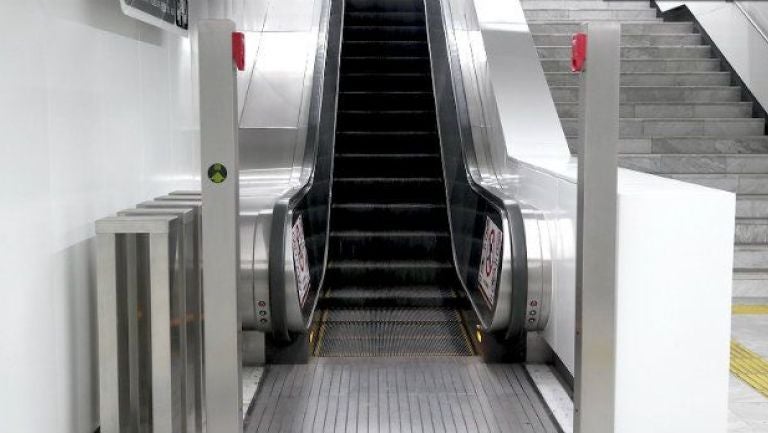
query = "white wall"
{"x": 97, "y": 113}
{"x": 738, "y": 40}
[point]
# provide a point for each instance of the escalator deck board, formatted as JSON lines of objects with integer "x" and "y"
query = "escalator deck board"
{"x": 397, "y": 395}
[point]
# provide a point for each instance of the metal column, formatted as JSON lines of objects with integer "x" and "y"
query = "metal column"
{"x": 221, "y": 251}
{"x": 596, "y": 234}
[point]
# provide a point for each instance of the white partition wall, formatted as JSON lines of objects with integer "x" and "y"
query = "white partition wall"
{"x": 674, "y": 240}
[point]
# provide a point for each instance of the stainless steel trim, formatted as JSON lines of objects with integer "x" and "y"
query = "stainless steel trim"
{"x": 539, "y": 256}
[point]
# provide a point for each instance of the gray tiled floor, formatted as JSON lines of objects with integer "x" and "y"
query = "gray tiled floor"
{"x": 748, "y": 408}
{"x": 451, "y": 394}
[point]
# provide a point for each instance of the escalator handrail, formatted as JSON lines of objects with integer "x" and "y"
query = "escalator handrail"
{"x": 322, "y": 116}
{"x": 508, "y": 312}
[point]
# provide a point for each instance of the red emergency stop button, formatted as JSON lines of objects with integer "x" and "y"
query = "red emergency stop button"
{"x": 578, "y": 52}
{"x": 238, "y": 50}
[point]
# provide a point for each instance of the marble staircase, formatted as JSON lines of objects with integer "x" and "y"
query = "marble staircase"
{"x": 682, "y": 115}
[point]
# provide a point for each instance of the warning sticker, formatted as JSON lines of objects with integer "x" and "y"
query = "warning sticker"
{"x": 217, "y": 173}
{"x": 489, "y": 261}
{"x": 300, "y": 260}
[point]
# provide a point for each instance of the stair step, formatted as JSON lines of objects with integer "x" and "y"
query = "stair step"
{"x": 696, "y": 164}
{"x": 399, "y": 64}
{"x": 387, "y": 33}
{"x": 646, "y": 28}
{"x": 651, "y": 79}
{"x": 648, "y": 65}
{"x": 383, "y": 18}
{"x": 380, "y": 101}
{"x": 737, "y": 183}
{"x": 751, "y": 206}
{"x": 393, "y": 120}
{"x": 368, "y": 81}
{"x": 750, "y": 284}
{"x": 591, "y": 15}
{"x": 409, "y": 216}
{"x": 387, "y": 142}
{"x": 390, "y": 272}
{"x": 564, "y": 39}
{"x": 390, "y": 245}
{"x": 389, "y": 190}
{"x": 658, "y": 93}
{"x": 639, "y": 127}
{"x": 388, "y": 165}
{"x": 384, "y": 48}
{"x": 711, "y": 145}
{"x": 584, "y": 4}
{"x": 751, "y": 230}
{"x": 637, "y": 53}
{"x": 650, "y": 110}
{"x": 750, "y": 257}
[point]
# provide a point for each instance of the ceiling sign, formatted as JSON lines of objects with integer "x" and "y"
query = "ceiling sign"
{"x": 167, "y": 14}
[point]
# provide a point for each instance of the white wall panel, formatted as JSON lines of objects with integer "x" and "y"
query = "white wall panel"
{"x": 97, "y": 113}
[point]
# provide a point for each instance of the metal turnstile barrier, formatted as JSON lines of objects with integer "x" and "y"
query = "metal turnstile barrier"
{"x": 150, "y": 318}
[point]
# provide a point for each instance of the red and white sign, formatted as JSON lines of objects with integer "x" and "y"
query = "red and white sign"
{"x": 300, "y": 260}
{"x": 487, "y": 275}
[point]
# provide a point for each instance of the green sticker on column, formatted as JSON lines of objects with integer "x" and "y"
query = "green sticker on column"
{"x": 217, "y": 173}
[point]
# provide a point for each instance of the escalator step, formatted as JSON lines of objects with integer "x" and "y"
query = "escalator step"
{"x": 398, "y": 120}
{"x": 393, "y": 339}
{"x": 385, "y": 33}
{"x": 390, "y": 297}
{"x": 385, "y": 5}
{"x": 378, "y": 101}
{"x": 390, "y": 272}
{"x": 374, "y": 216}
{"x": 376, "y": 81}
{"x": 381, "y": 142}
{"x": 399, "y": 64}
{"x": 388, "y": 165}
{"x": 388, "y": 190}
{"x": 385, "y": 48}
{"x": 383, "y": 18}
{"x": 390, "y": 245}
{"x": 408, "y": 315}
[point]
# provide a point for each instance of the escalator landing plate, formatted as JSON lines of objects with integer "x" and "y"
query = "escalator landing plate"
{"x": 393, "y": 395}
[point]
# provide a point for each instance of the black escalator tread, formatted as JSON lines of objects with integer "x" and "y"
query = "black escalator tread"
{"x": 390, "y": 245}
{"x": 378, "y": 81}
{"x": 386, "y": 100}
{"x": 426, "y": 295}
{"x": 390, "y": 33}
{"x": 388, "y": 165}
{"x": 390, "y": 286}
{"x": 389, "y": 190}
{"x": 391, "y": 272}
{"x": 384, "y": 217}
{"x": 393, "y": 332}
{"x": 353, "y": 18}
{"x": 419, "y": 314}
{"x": 384, "y": 5}
{"x": 387, "y": 141}
{"x": 385, "y": 48}
{"x": 397, "y": 120}
{"x": 399, "y": 64}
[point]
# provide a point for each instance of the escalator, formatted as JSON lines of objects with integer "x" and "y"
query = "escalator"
{"x": 391, "y": 288}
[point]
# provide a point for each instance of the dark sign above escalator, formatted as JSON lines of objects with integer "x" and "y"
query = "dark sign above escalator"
{"x": 166, "y": 14}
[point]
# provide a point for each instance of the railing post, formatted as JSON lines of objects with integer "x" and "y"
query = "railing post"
{"x": 595, "y": 396}
{"x": 220, "y": 213}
